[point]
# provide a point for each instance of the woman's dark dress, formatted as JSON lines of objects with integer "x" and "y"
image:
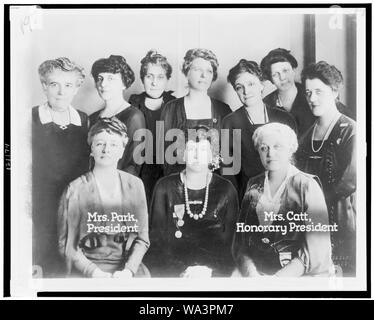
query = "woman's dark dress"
{"x": 206, "y": 241}
{"x": 250, "y": 163}
{"x": 300, "y": 109}
{"x": 58, "y": 157}
{"x": 174, "y": 116}
{"x": 150, "y": 173}
{"x": 335, "y": 165}
{"x": 133, "y": 119}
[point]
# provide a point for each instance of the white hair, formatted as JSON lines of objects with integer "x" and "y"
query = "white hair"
{"x": 279, "y": 129}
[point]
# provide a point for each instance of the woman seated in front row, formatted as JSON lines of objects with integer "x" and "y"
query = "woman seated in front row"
{"x": 193, "y": 214}
{"x": 282, "y": 201}
{"x": 102, "y": 218}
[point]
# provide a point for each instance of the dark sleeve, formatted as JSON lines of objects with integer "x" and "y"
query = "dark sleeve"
{"x": 230, "y": 218}
{"x": 240, "y": 247}
{"x": 169, "y": 116}
{"x": 271, "y": 99}
{"x": 226, "y": 110}
{"x": 347, "y": 184}
{"x": 157, "y": 256}
{"x": 93, "y": 118}
{"x": 127, "y": 163}
{"x": 290, "y": 121}
{"x": 85, "y": 120}
{"x": 134, "y": 100}
{"x": 86, "y": 148}
{"x": 227, "y": 140}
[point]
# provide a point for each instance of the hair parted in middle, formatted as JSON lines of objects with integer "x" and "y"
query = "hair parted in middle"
{"x": 111, "y": 125}
{"x": 114, "y": 64}
{"x": 205, "y": 54}
{"x": 244, "y": 66}
{"x": 153, "y": 57}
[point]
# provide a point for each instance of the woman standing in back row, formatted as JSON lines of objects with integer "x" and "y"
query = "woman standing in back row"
{"x": 112, "y": 76}
{"x": 59, "y": 155}
{"x": 328, "y": 150}
{"x": 155, "y": 72}
{"x": 196, "y": 108}
{"x": 246, "y": 79}
{"x": 279, "y": 67}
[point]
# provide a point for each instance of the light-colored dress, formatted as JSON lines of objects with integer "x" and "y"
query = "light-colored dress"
{"x": 96, "y": 234}
{"x": 279, "y": 241}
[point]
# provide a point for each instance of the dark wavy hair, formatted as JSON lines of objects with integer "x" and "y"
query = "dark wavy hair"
{"x": 205, "y": 54}
{"x": 274, "y": 56}
{"x": 111, "y": 125}
{"x": 153, "y": 57}
{"x": 244, "y": 66}
{"x": 114, "y": 64}
{"x": 327, "y": 73}
{"x": 63, "y": 64}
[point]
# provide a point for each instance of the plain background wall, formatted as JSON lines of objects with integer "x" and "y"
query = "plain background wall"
{"x": 336, "y": 44}
{"x": 85, "y": 36}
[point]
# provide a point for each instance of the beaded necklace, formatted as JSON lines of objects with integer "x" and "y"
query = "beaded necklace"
{"x": 327, "y": 133}
{"x": 196, "y": 216}
{"x": 200, "y": 215}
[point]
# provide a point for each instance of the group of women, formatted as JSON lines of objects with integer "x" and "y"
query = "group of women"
{"x": 180, "y": 218}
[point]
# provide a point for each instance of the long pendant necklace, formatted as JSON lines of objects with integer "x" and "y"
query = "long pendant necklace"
{"x": 327, "y": 133}
{"x": 179, "y": 213}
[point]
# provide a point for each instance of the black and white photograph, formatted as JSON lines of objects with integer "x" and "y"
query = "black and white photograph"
{"x": 188, "y": 148}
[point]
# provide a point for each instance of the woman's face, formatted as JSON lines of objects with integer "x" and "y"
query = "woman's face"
{"x": 275, "y": 154}
{"x": 200, "y": 75}
{"x": 60, "y": 88}
{"x": 109, "y": 85}
{"x": 321, "y": 97}
{"x": 107, "y": 148}
{"x": 198, "y": 155}
{"x": 283, "y": 75}
{"x": 155, "y": 80}
{"x": 248, "y": 88}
